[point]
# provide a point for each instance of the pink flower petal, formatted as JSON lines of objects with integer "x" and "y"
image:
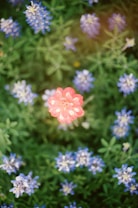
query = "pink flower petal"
{"x": 66, "y": 105}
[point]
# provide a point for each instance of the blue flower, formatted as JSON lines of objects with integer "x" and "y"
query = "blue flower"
{"x": 67, "y": 188}
{"x": 6, "y": 206}
{"x": 82, "y": 157}
{"x": 38, "y": 17}
{"x": 72, "y": 205}
{"x": 127, "y": 83}
{"x": 65, "y": 163}
{"x": 16, "y": 2}
{"x": 10, "y": 27}
{"x": 24, "y": 184}
{"x": 32, "y": 183}
{"x": 23, "y": 92}
{"x": 89, "y": 24}
{"x": 11, "y": 164}
{"x": 47, "y": 94}
{"x": 117, "y": 21}
{"x": 132, "y": 187}
{"x": 96, "y": 164}
{"x": 83, "y": 80}
{"x": 69, "y": 43}
{"x": 120, "y": 131}
{"x": 20, "y": 184}
{"x": 36, "y": 206}
{"x": 124, "y": 174}
{"x": 124, "y": 118}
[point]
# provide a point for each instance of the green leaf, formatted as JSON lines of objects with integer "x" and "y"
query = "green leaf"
{"x": 59, "y": 75}
{"x": 4, "y": 141}
{"x": 50, "y": 70}
{"x": 104, "y": 142}
{"x": 102, "y": 150}
{"x": 113, "y": 141}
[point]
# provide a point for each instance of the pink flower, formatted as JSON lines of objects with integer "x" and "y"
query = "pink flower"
{"x": 66, "y": 105}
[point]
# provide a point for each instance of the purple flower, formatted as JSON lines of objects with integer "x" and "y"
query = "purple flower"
{"x": 72, "y": 205}
{"x": 10, "y": 27}
{"x": 47, "y": 94}
{"x": 96, "y": 164}
{"x": 16, "y": 2}
{"x": 70, "y": 43}
{"x": 82, "y": 157}
{"x": 20, "y": 185}
{"x": 89, "y": 24}
{"x": 117, "y": 21}
{"x": 24, "y": 184}
{"x": 23, "y": 92}
{"x": 127, "y": 84}
{"x": 32, "y": 183}
{"x": 65, "y": 163}
{"x": 83, "y": 80}
{"x": 38, "y": 17}
{"x": 132, "y": 187}
{"x": 68, "y": 188}
{"x": 124, "y": 118}
{"x": 124, "y": 174}
{"x": 11, "y": 164}
{"x": 120, "y": 131}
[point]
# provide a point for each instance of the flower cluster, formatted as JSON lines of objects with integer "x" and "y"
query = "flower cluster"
{"x": 121, "y": 124}
{"x": 125, "y": 175}
{"x": 89, "y": 24}
{"x": 70, "y": 43}
{"x": 24, "y": 184}
{"x": 96, "y": 165}
{"x": 83, "y": 80}
{"x": 127, "y": 84}
{"x": 23, "y": 92}
{"x": 21, "y": 184}
{"x": 66, "y": 105}
{"x": 117, "y": 21}
{"x": 71, "y": 160}
{"x": 82, "y": 158}
{"x": 11, "y": 164}
{"x": 67, "y": 188}
{"x": 10, "y": 27}
{"x": 38, "y": 17}
{"x": 124, "y": 118}
{"x": 120, "y": 131}
{"x": 65, "y": 163}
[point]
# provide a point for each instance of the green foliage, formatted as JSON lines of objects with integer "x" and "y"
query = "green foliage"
{"x": 30, "y": 131}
